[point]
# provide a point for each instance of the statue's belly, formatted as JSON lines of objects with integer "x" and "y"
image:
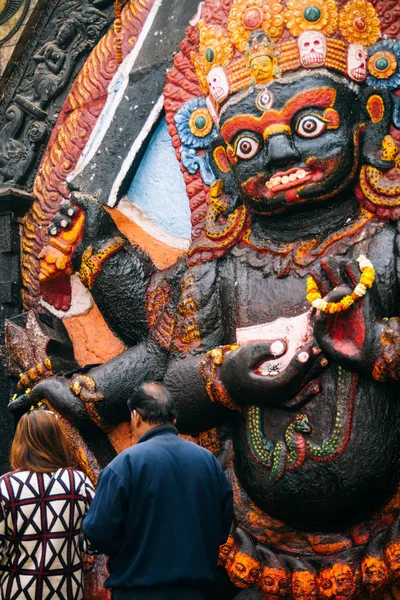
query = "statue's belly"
{"x": 342, "y": 487}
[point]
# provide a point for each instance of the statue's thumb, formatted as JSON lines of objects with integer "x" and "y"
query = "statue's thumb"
{"x": 89, "y": 204}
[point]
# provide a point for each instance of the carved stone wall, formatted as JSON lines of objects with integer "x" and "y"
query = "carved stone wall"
{"x": 16, "y": 22}
{"x": 55, "y": 38}
{"x": 54, "y": 54}
{"x": 13, "y": 205}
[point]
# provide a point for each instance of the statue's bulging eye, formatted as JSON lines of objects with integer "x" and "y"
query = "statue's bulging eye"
{"x": 310, "y": 126}
{"x": 247, "y": 147}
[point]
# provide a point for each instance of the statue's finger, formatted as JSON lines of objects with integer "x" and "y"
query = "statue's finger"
{"x": 323, "y": 285}
{"x": 332, "y": 271}
{"x": 62, "y": 221}
{"x": 259, "y": 352}
{"x": 67, "y": 209}
{"x": 20, "y": 404}
{"x": 353, "y": 272}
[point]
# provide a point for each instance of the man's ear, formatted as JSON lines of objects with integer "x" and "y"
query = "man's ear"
{"x": 376, "y": 107}
{"x": 136, "y": 419}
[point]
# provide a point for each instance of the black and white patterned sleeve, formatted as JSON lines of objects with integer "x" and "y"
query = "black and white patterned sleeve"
{"x": 86, "y": 546}
{"x": 3, "y": 539}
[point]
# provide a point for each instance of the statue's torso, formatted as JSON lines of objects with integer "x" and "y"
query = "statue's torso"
{"x": 359, "y": 476}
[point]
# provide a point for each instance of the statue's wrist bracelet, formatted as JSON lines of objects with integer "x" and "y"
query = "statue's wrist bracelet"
{"x": 93, "y": 261}
{"x": 210, "y": 366}
{"x": 84, "y": 387}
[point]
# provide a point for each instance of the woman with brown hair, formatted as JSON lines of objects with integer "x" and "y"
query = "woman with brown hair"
{"x": 42, "y": 504}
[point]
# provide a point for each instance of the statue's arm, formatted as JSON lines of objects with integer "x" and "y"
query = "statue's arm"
{"x": 387, "y": 364}
{"x": 119, "y": 292}
{"x": 198, "y": 408}
{"x": 55, "y": 67}
{"x": 38, "y": 57}
{"x": 100, "y": 394}
{"x": 84, "y": 238}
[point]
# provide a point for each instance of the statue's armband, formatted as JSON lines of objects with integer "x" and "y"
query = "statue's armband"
{"x": 387, "y": 365}
{"x": 92, "y": 262}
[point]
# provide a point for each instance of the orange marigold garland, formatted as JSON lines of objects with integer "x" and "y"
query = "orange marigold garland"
{"x": 117, "y": 30}
{"x": 366, "y": 280}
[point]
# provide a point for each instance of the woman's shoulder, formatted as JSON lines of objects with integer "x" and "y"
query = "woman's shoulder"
{"x": 15, "y": 483}
{"x": 17, "y": 475}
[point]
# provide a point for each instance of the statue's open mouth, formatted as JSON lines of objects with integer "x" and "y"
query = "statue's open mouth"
{"x": 288, "y": 179}
{"x": 260, "y": 188}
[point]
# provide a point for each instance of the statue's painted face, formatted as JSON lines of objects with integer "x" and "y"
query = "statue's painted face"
{"x": 274, "y": 583}
{"x": 374, "y": 573}
{"x": 392, "y": 556}
{"x": 262, "y": 68}
{"x": 225, "y": 550}
{"x": 243, "y": 570}
{"x": 304, "y": 585}
{"x": 337, "y": 583}
{"x": 298, "y": 149}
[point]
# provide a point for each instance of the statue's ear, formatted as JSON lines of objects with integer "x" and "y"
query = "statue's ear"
{"x": 376, "y": 107}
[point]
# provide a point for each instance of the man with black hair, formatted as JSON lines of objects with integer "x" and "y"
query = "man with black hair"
{"x": 161, "y": 510}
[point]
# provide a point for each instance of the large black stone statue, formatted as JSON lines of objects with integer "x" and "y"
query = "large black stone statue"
{"x": 278, "y": 331}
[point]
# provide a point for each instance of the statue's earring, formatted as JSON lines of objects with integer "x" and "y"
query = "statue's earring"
{"x": 379, "y": 190}
{"x": 390, "y": 150}
{"x": 219, "y": 202}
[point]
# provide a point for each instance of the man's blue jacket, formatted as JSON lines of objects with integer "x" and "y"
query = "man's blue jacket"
{"x": 161, "y": 510}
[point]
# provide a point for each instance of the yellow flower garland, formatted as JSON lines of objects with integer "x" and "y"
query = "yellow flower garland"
{"x": 366, "y": 280}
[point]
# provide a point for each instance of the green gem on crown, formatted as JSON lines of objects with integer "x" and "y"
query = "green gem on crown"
{"x": 382, "y": 63}
{"x": 200, "y": 122}
{"x": 210, "y": 55}
{"x": 312, "y": 14}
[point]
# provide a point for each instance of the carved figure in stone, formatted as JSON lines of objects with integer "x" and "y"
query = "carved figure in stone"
{"x": 279, "y": 330}
{"x": 57, "y": 58}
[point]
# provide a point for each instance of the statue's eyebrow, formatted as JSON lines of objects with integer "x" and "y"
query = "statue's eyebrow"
{"x": 315, "y": 98}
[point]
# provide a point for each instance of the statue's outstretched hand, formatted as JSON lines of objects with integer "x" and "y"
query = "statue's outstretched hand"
{"x": 241, "y": 376}
{"x": 350, "y": 337}
{"x": 57, "y": 392}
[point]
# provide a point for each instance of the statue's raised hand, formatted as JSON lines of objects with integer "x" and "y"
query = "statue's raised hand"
{"x": 56, "y": 390}
{"x": 351, "y": 337}
{"x": 241, "y": 372}
{"x": 79, "y": 223}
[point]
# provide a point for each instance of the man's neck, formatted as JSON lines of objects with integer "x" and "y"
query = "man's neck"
{"x": 317, "y": 222}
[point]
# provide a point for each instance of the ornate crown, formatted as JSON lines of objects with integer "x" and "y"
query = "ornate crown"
{"x": 253, "y": 47}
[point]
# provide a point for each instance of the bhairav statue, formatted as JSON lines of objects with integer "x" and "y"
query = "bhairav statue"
{"x": 279, "y": 330}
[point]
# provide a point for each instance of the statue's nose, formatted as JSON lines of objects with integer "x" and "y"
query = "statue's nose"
{"x": 280, "y": 151}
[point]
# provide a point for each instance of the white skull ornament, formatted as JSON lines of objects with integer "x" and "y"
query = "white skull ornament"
{"x": 218, "y": 83}
{"x": 357, "y": 56}
{"x": 312, "y": 48}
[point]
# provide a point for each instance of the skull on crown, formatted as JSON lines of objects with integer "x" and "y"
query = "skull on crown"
{"x": 357, "y": 56}
{"x": 218, "y": 84}
{"x": 312, "y": 49}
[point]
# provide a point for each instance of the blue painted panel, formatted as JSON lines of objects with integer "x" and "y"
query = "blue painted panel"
{"x": 158, "y": 188}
